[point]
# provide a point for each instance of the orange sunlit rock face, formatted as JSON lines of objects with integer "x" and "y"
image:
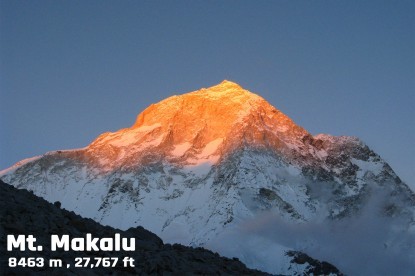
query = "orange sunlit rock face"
{"x": 196, "y": 127}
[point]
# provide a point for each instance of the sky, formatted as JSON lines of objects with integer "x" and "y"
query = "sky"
{"x": 71, "y": 70}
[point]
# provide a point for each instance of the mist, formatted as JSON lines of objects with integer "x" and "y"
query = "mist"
{"x": 368, "y": 243}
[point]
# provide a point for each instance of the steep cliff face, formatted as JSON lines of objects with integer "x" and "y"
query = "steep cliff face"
{"x": 197, "y": 166}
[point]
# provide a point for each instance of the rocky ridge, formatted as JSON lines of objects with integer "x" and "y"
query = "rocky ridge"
{"x": 22, "y": 213}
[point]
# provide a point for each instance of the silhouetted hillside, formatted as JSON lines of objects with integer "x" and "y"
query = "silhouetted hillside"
{"x": 21, "y": 212}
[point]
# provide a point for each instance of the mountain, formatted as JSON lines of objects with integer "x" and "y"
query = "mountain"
{"x": 223, "y": 169}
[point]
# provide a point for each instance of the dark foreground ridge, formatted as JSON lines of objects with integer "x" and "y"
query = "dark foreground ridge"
{"x": 21, "y": 212}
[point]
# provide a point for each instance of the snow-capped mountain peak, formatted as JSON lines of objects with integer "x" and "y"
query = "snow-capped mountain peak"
{"x": 221, "y": 165}
{"x": 208, "y": 122}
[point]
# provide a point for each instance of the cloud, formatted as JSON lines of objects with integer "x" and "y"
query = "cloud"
{"x": 365, "y": 244}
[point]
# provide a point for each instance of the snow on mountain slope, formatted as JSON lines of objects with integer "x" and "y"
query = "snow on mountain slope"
{"x": 219, "y": 162}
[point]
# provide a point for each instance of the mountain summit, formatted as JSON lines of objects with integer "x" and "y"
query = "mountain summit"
{"x": 222, "y": 168}
{"x": 196, "y": 127}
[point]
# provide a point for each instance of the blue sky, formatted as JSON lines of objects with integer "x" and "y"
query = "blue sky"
{"x": 70, "y": 70}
